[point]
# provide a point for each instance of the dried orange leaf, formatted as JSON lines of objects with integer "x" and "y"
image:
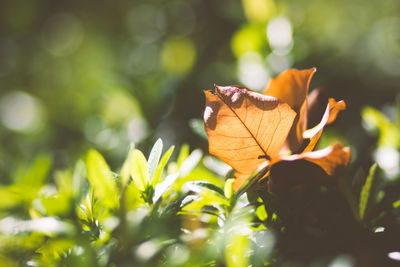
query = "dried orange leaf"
{"x": 331, "y": 112}
{"x": 331, "y": 159}
{"x": 245, "y": 128}
{"x": 291, "y": 87}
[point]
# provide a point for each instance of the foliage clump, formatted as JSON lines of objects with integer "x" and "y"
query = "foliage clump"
{"x": 175, "y": 210}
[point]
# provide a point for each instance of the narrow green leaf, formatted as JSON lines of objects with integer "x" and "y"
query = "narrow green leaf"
{"x": 209, "y": 186}
{"x": 139, "y": 170}
{"x": 163, "y": 187}
{"x": 154, "y": 157}
{"x": 101, "y": 178}
{"x": 228, "y": 188}
{"x": 368, "y": 192}
{"x": 162, "y": 164}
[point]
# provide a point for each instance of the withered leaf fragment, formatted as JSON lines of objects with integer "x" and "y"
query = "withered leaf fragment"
{"x": 311, "y": 168}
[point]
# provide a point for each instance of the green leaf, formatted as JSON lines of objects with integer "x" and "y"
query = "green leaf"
{"x": 368, "y": 192}
{"x": 10, "y": 197}
{"x": 389, "y": 134}
{"x": 154, "y": 157}
{"x": 228, "y": 188}
{"x": 101, "y": 179}
{"x": 261, "y": 213}
{"x": 209, "y": 186}
{"x": 163, "y": 187}
{"x": 162, "y": 164}
{"x": 36, "y": 173}
{"x": 139, "y": 170}
{"x": 236, "y": 251}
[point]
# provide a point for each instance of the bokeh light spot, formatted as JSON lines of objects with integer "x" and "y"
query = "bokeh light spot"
{"x": 252, "y": 72}
{"x": 146, "y": 23}
{"x": 21, "y": 112}
{"x": 247, "y": 39}
{"x": 259, "y": 11}
{"x": 279, "y": 63}
{"x": 178, "y": 55}
{"x": 388, "y": 159}
{"x": 395, "y": 255}
{"x": 342, "y": 261}
{"x": 279, "y": 32}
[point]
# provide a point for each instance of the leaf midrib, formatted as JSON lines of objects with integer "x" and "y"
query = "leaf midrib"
{"x": 244, "y": 125}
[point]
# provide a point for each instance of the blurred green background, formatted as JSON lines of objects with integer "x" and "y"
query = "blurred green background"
{"x": 102, "y": 74}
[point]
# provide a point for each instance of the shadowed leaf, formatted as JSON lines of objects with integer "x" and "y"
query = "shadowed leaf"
{"x": 309, "y": 168}
{"x": 368, "y": 192}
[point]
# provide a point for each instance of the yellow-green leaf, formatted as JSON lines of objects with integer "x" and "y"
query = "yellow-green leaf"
{"x": 101, "y": 179}
{"x": 139, "y": 170}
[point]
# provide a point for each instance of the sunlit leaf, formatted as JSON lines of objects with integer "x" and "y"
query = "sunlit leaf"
{"x": 261, "y": 213}
{"x": 52, "y": 251}
{"x": 154, "y": 157}
{"x": 292, "y": 88}
{"x": 197, "y": 173}
{"x": 208, "y": 185}
{"x": 163, "y": 187}
{"x": 162, "y": 164}
{"x": 101, "y": 178}
{"x": 228, "y": 188}
{"x": 245, "y": 128}
{"x": 331, "y": 112}
{"x": 139, "y": 170}
{"x": 236, "y": 251}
